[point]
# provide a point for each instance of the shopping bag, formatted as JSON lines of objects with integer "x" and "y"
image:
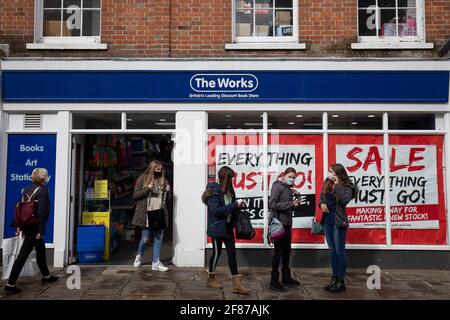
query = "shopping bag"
{"x": 11, "y": 248}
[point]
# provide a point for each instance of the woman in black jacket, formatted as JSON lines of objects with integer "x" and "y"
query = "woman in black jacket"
{"x": 337, "y": 192}
{"x": 222, "y": 209}
{"x": 282, "y": 202}
{"x": 34, "y": 235}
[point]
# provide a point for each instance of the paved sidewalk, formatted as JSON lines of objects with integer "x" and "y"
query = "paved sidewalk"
{"x": 124, "y": 282}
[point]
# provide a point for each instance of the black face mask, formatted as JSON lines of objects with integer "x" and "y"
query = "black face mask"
{"x": 158, "y": 174}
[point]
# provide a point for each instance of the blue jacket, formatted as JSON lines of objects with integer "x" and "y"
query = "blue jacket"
{"x": 218, "y": 210}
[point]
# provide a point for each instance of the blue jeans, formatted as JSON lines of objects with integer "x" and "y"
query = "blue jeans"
{"x": 336, "y": 243}
{"x": 157, "y": 243}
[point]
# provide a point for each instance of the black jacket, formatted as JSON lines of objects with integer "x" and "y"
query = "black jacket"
{"x": 281, "y": 201}
{"x": 218, "y": 210}
{"x": 43, "y": 208}
{"x": 343, "y": 195}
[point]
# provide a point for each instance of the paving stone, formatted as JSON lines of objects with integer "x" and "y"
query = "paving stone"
{"x": 215, "y": 294}
{"x": 143, "y": 297}
{"x": 60, "y": 293}
{"x": 253, "y": 285}
{"x": 408, "y": 275}
{"x": 229, "y": 295}
{"x": 352, "y": 293}
{"x": 264, "y": 295}
{"x": 195, "y": 285}
{"x": 161, "y": 288}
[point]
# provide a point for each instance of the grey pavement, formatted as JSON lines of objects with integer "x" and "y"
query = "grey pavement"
{"x": 127, "y": 282}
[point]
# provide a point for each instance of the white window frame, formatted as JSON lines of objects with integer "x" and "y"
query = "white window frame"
{"x": 273, "y": 42}
{"x": 75, "y": 42}
{"x": 396, "y": 42}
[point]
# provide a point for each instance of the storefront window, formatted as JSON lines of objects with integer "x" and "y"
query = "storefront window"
{"x": 150, "y": 120}
{"x": 362, "y": 156}
{"x": 408, "y": 121}
{"x": 235, "y": 120}
{"x": 96, "y": 121}
{"x": 417, "y": 189}
{"x": 356, "y": 121}
{"x": 294, "y": 120}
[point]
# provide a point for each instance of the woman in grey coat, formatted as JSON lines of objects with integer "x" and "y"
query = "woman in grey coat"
{"x": 282, "y": 202}
{"x": 150, "y": 194}
{"x": 337, "y": 192}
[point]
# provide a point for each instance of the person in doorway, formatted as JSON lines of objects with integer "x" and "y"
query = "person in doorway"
{"x": 337, "y": 192}
{"x": 282, "y": 203}
{"x": 220, "y": 199}
{"x": 151, "y": 194}
{"x": 34, "y": 234}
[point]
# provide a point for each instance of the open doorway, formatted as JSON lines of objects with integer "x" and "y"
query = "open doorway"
{"x": 105, "y": 168}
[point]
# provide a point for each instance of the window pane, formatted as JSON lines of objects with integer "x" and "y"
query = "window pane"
{"x": 388, "y": 25}
{"x": 68, "y": 3}
{"x": 386, "y": 3}
{"x": 406, "y": 3}
{"x": 72, "y": 22}
{"x": 150, "y": 120}
{"x": 407, "y": 25}
{"x": 294, "y": 120}
{"x": 367, "y": 22}
{"x": 283, "y": 23}
{"x": 417, "y": 195}
{"x": 283, "y": 4}
{"x": 405, "y": 121}
{"x": 244, "y": 23}
{"x": 52, "y": 23}
{"x": 366, "y": 3}
{"x": 235, "y": 120}
{"x": 355, "y": 121}
{"x": 264, "y": 23}
{"x": 52, "y": 3}
{"x": 97, "y": 121}
{"x": 91, "y": 23}
{"x": 264, "y": 5}
{"x": 91, "y": 4}
{"x": 244, "y": 4}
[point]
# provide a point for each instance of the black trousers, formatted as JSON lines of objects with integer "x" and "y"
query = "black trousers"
{"x": 282, "y": 251}
{"x": 28, "y": 245}
{"x": 231, "y": 252}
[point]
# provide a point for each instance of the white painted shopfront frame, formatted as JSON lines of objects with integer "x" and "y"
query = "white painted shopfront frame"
{"x": 229, "y": 64}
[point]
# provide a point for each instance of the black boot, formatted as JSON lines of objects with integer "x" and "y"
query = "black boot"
{"x": 275, "y": 282}
{"x": 328, "y": 286}
{"x": 287, "y": 279}
{"x": 50, "y": 279}
{"x": 338, "y": 286}
{"x": 12, "y": 289}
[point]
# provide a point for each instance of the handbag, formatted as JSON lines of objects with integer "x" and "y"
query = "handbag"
{"x": 11, "y": 249}
{"x": 26, "y": 211}
{"x": 157, "y": 202}
{"x": 244, "y": 228}
{"x": 156, "y": 219}
{"x": 276, "y": 229}
{"x": 316, "y": 227}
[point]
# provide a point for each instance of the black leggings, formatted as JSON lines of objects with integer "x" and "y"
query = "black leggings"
{"x": 28, "y": 245}
{"x": 231, "y": 252}
{"x": 282, "y": 251}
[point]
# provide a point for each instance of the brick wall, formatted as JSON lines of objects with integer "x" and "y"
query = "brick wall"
{"x": 198, "y": 28}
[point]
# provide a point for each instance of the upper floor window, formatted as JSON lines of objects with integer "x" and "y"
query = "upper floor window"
{"x": 266, "y": 20}
{"x": 390, "y": 20}
{"x": 67, "y": 22}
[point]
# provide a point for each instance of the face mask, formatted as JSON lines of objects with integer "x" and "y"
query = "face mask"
{"x": 330, "y": 176}
{"x": 290, "y": 181}
{"x": 158, "y": 174}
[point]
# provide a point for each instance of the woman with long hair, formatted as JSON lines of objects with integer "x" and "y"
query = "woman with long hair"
{"x": 222, "y": 208}
{"x": 337, "y": 191}
{"x": 151, "y": 194}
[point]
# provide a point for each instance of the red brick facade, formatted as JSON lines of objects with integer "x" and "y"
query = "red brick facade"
{"x": 194, "y": 28}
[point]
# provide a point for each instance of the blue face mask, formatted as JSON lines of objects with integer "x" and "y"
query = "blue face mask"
{"x": 290, "y": 181}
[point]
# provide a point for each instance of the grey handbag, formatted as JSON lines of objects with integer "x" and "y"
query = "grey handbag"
{"x": 316, "y": 227}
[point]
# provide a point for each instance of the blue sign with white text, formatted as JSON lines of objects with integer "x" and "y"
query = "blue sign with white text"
{"x": 25, "y": 153}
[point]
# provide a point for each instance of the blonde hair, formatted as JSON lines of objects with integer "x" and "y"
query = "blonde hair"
{"x": 150, "y": 174}
{"x": 39, "y": 175}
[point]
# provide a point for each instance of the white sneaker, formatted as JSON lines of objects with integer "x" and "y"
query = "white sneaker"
{"x": 158, "y": 266}
{"x": 137, "y": 261}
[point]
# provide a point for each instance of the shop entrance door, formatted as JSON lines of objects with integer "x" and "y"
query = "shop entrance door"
{"x": 114, "y": 162}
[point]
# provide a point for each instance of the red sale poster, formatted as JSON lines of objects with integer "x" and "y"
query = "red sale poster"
{"x": 244, "y": 154}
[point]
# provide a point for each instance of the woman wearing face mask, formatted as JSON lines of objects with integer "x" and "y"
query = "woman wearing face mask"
{"x": 34, "y": 235}
{"x": 283, "y": 200}
{"x": 337, "y": 192}
{"x": 151, "y": 194}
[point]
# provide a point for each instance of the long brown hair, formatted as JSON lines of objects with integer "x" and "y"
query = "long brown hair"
{"x": 226, "y": 175}
{"x": 149, "y": 174}
{"x": 344, "y": 179}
